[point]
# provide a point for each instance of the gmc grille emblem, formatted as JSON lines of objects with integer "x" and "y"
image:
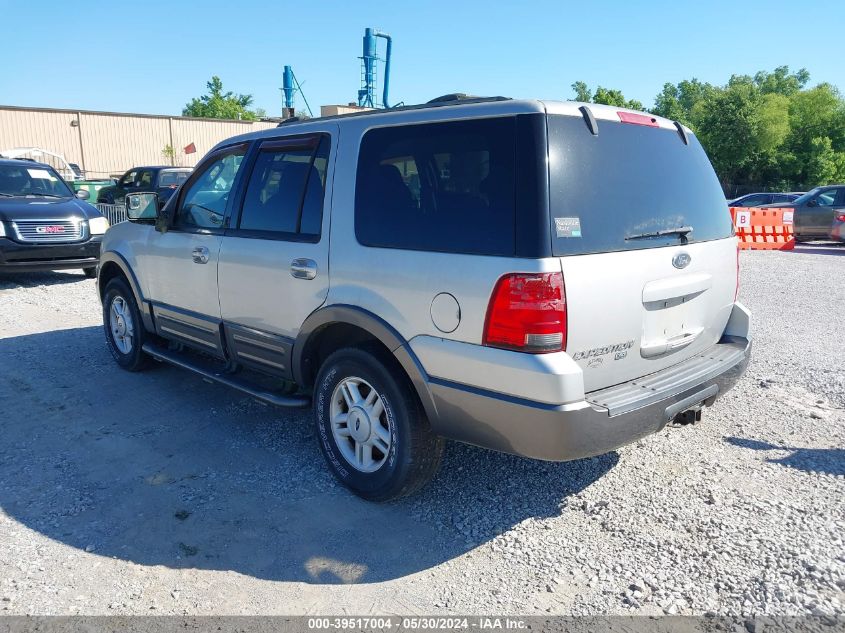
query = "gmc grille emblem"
{"x": 49, "y": 229}
{"x": 681, "y": 260}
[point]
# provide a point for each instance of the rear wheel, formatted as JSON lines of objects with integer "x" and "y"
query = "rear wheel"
{"x": 125, "y": 334}
{"x": 371, "y": 427}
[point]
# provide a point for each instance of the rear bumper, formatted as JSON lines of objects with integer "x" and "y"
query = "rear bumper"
{"x": 34, "y": 257}
{"x": 604, "y": 420}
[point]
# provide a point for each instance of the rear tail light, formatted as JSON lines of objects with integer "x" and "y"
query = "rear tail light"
{"x": 840, "y": 217}
{"x": 736, "y": 292}
{"x": 527, "y": 313}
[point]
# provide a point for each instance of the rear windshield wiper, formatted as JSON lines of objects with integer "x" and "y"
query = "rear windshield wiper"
{"x": 682, "y": 231}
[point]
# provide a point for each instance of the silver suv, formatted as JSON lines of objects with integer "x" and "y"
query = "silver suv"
{"x": 552, "y": 280}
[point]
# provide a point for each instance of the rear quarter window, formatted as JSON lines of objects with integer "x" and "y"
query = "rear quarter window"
{"x": 445, "y": 187}
{"x": 626, "y": 181}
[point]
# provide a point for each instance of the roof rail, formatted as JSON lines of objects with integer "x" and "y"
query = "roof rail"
{"x": 445, "y": 100}
{"x": 462, "y": 97}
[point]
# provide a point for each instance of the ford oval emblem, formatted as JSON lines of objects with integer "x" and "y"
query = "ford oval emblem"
{"x": 681, "y": 260}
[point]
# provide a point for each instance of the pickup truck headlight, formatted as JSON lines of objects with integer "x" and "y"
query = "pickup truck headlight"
{"x": 98, "y": 226}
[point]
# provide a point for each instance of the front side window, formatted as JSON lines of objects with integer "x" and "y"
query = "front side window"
{"x": 285, "y": 191}
{"x": 204, "y": 204}
{"x": 446, "y": 187}
{"x": 129, "y": 179}
{"x": 826, "y": 198}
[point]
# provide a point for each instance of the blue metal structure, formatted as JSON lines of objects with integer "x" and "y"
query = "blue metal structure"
{"x": 366, "y": 95}
{"x": 290, "y": 86}
{"x": 287, "y": 86}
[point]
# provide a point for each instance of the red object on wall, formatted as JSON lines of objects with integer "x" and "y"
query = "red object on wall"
{"x": 191, "y": 149}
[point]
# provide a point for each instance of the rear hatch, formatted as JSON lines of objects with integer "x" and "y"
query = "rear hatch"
{"x": 645, "y": 242}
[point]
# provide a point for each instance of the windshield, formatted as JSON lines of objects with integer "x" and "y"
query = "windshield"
{"x": 172, "y": 177}
{"x": 32, "y": 180}
{"x": 630, "y": 187}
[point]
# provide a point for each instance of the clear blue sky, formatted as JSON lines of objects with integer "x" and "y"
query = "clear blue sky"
{"x": 154, "y": 56}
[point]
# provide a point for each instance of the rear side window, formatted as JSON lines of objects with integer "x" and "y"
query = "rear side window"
{"x": 172, "y": 178}
{"x": 607, "y": 191}
{"x": 285, "y": 191}
{"x": 446, "y": 187}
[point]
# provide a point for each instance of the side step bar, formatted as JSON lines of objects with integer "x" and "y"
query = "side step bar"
{"x": 174, "y": 358}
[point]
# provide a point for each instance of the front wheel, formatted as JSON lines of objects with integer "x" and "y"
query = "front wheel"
{"x": 371, "y": 427}
{"x": 125, "y": 334}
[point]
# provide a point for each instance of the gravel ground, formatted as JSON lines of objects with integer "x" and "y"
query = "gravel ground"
{"x": 157, "y": 493}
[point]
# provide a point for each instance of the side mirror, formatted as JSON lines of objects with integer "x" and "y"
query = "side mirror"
{"x": 83, "y": 194}
{"x": 142, "y": 206}
{"x": 813, "y": 203}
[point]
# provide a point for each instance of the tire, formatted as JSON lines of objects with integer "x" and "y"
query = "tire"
{"x": 90, "y": 272}
{"x": 126, "y": 319}
{"x": 404, "y": 453}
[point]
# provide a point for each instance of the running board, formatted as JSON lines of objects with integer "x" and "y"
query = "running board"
{"x": 174, "y": 358}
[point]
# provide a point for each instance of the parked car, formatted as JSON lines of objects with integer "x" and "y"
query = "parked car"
{"x": 43, "y": 225}
{"x": 819, "y": 213}
{"x": 160, "y": 180}
{"x": 762, "y": 199}
{"x": 473, "y": 286}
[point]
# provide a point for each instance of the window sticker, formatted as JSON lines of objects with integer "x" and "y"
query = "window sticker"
{"x": 41, "y": 174}
{"x": 568, "y": 227}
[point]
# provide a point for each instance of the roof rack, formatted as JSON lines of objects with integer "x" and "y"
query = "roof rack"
{"x": 456, "y": 98}
{"x": 462, "y": 97}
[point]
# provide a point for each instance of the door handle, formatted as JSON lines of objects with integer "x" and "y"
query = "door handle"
{"x": 302, "y": 268}
{"x": 200, "y": 255}
{"x": 664, "y": 346}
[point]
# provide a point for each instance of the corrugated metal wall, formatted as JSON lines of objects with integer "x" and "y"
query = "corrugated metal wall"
{"x": 105, "y": 143}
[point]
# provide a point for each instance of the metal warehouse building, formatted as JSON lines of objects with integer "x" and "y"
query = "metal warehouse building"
{"x": 108, "y": 143}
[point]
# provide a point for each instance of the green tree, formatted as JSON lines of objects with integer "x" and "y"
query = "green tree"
{"x": 781, "y": 81}
{"x": 823, "y": 164}
{"x": 815, "y": 115}
{"x": 676, "y": 102}
{"x": 767, "y": 130}
{"x": 220, "y": 105}
{"x": 606, "y": 96}
{"x": 582, "y": 92}
{"x": 169, "y": 153}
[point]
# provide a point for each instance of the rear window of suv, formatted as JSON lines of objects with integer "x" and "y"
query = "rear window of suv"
{"x": 629, "y": 180}
{"x": 446, "y": 187}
